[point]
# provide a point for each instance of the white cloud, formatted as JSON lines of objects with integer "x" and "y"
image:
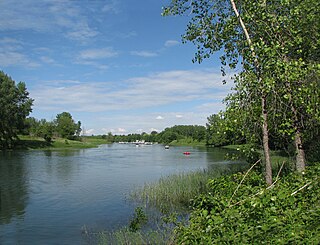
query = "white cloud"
{"x": 179, "y": 116}
{"x": 11, "y": 54}
{"x": 111, "y": 7}
{"x": 92, "y": 54}
{"x": 146, "y": 54}
{"x": 171, "y": 43}
{"x": 88, "y": 131}
{"x": 62, "y": 16}
{"x": 157, "y": 89}
{"x": 159, "y": 118}
{"x": 118, "y": 131}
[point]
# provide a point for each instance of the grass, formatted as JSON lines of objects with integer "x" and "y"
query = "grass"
{"x": 124, "y": 236}
{"x": 29, "y": 142}
{"x": 174, "y": 192}
{"x": 187, "y": 142}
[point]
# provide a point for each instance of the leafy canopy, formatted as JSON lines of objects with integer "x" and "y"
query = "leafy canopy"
{"x": 15, "y": 106}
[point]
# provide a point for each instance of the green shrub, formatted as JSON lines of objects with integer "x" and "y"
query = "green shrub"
{"x": 289, "y": 212}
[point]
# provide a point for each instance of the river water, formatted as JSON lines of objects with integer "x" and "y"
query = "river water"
{"x": 51, "y": 197}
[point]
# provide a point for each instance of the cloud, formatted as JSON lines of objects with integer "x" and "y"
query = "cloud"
{"x": 146, "y": 54}
{"x": 154, "y": 129}
{"x": 88, "y": 131}
{"x": 159, "y": 118}
{"x": 118, "y": 131}
{"x": 11, "y": 54}
{"x": 62, "y": 16}
{"x": 171, "y": 43}
{"x": 92, "y": 54}
{"x": 159, "y": 89}
{"x": 111, "y": 7}
{"x": 179, "y": 116}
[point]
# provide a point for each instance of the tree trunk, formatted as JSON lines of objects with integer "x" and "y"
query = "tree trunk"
{"x": 263, "y": 98}
{"x": 300, "y": 157}
{"x": 265, "y": 141}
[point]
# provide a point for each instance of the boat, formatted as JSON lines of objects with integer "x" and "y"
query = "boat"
{"x": 166, "y": 147}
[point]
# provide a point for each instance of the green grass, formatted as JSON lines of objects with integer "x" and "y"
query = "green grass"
{"x": 187, "y": 142}
{"x": 29, "y": 142}
{"x": 232, "y": 147}
{"x": 124, "y": 236}
{"x": 174, "y": 192}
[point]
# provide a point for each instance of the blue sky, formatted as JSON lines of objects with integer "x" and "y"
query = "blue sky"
{"x": 116, "y": 65}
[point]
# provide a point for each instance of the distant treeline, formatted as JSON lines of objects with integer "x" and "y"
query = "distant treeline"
{"x": 185, "y": 133}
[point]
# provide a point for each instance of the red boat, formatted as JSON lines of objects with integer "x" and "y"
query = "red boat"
{"x": 186, "y": 153}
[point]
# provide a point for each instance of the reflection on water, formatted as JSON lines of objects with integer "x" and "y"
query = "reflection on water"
{"x": 48, "y": 196}
{"x": 13, "y": 187}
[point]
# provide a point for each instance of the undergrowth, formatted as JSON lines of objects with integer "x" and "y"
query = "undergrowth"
{"x": 287, "y": 212}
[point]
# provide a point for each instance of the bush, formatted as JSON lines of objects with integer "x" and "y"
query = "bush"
{"x": 287, "y": 213}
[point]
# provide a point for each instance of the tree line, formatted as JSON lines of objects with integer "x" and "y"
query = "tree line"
{"x": 177, "y": 133}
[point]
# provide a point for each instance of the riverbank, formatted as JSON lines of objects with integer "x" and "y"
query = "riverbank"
{"x": 187, "y": 142}
{"x": 237, "y": 208}
{"x": 30, "y": 143}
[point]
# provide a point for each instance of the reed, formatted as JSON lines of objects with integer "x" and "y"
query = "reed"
{"x": 174, "y": 192}
{"x": 124, "y": 236}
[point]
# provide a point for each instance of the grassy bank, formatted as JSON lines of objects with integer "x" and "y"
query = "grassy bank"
{"x": 187, "y": 142}
{"x": 174, "y": 192}
{"x": 28, "y": 142}
{"x": 237, "y": 209}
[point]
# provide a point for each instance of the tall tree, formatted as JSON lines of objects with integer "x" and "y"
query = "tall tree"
{"x": 277, "y": 49}
{"x": 65, "y": 125}
{"x": 15, "y": 106}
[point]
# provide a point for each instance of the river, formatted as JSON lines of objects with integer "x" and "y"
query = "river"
{"x": 50, "y": 197}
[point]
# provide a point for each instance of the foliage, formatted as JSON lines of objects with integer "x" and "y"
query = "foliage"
{"x": 66, "y": 127}
{"x": 178, "y": 132}
{"x": 246, "y": 213}
{"x": 45, "y": 130}
{"x": 223, "y": 129}
{"x": 15, "y": 106}
{"x": 63, "y": 126}
{"x": 184, "y": 134}
{"x": 139, "y": 219}
{"x": 248, "y": 152}
{"x": 276, "y": 51}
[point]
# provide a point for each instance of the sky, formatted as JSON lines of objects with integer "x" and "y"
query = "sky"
{"x": 116, "y": 65}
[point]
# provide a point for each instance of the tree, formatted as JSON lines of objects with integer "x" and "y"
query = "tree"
{"x": 275, "y": 48}
{"x": 15, "y": 106}
{"x": 65, "y": 125}
{"x": 45, "y": 130}
{"x": 216, "y": 133}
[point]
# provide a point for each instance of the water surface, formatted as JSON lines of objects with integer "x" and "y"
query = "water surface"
{"x": 48, "y": 197}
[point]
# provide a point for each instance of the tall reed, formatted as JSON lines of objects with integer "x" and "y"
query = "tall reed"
{"x": 174, "y": 192}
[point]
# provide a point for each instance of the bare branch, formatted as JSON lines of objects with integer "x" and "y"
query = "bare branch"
{"x": 243, "y": 179}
